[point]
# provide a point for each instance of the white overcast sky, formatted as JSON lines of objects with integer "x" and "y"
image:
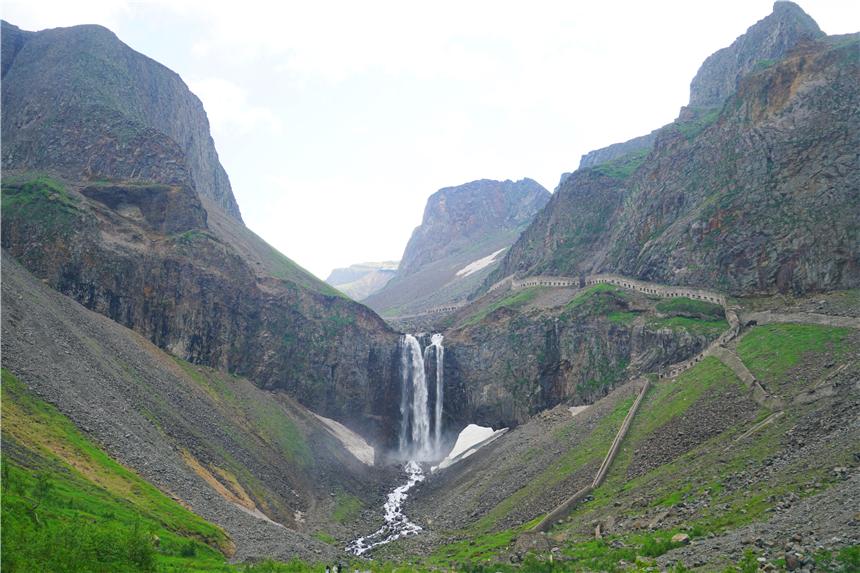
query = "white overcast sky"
{"x": 336, "y": 120}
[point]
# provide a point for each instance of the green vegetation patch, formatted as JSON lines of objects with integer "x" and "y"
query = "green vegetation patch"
{"x": 346, "y": 507}
{"x": 769, "y": 351}
{"x": 325, "y": 537}
{"x": 41, "y": 200}
{"x": 472, "y": 550}
{"x": 624, "y": 166}
{"x": 68, "y": 506}
{"x": 587, "y": 294}
{"x": 512, "y": 301}
{"x": 691, "y": 308}
{"x": 591, "y": 450}
{"x": 704, "y": 118}
{"x": 192, "y": 236}
{"x": 665, "y": 401}
{"x": 622, "y": 316}
{"x": 601, "y": 300}
{"x": 268, "y": 417}
{"x": 710, "y": 328}
{"x": 671, "y": 399}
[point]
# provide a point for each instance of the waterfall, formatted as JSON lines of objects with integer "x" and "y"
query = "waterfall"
{"x": 436, "y": 341}
{"x": 415, "y": 440}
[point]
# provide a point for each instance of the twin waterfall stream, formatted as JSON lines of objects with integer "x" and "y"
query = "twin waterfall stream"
{"x": 420, "y": 437}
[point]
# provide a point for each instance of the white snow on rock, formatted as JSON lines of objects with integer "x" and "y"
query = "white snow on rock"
{"x": 476, "y": 266}
{"x": 574, "y": 410}
{"x": 470, "y": 440}
{"x": 354, "y": 443}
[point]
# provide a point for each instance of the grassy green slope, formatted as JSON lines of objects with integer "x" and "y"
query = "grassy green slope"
{"x": 718, "y": 480}
{"x": 68, "y": 506}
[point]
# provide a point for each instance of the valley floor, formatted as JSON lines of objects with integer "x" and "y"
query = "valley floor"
{"x": 750, "y": 455}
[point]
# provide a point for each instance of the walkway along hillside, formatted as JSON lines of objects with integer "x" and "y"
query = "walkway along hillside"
{"x": 718, "y": 348}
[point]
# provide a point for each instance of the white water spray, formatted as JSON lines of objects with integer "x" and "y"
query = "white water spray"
{"x": 415, "y": 440}
{"x": 436, "y": 341}
{"x": 415, "y": 418}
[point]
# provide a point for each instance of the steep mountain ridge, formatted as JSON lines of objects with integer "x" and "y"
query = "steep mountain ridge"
{"x": 463, "y": 232}
{"x": 113, "y": 194}
{"x": 766, "y": 41}
{"x": 752, "y": 196}
{"x": 126, "y": 91}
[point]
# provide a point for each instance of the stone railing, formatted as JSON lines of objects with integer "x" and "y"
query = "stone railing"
{"x": 657, "y": 289}
{"x": 644, "y": 287}
{"x": 622, "y": 431}
{"x": 544, "y": 281}
{"x": 564, "y": 508}
{"x": 717, "y": 348}
{"x": 431, "y": 311}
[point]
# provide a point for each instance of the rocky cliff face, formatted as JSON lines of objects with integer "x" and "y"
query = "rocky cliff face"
{"x": 641, "y": 145}
{"x": 516, "y": 353}
{"x": 764, "y": 43}
{"x": 455, "y": 215}
{"x": 130, "y": 215}
{"x": 463, "y": 234}
{"x": 755, "y": 196}
{"x": 80, "y": 102}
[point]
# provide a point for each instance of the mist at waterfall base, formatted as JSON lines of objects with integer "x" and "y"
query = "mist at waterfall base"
{"x": 420, "y": 437}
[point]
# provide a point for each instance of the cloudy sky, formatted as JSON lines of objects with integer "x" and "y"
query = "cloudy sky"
{"x": 336, "y": 120}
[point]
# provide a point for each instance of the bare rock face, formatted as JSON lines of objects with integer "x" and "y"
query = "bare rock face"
{"x": 514, "y": 363}
{"x": 60, "y": 86}
{"x": 641, "y": 144}
{"x": 757, "y": 195}
{"x": 765, "y": 42}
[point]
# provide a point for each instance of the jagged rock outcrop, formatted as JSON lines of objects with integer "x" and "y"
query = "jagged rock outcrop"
{"x": 80, "y": 102}
{"x": 113, "y": 195}
{"x": 362, "y": 280}
{"x": 641, "y": 144}
{"x": 12, "y": 38}
{"x": 462, "y": 235}
{"x": 764, "y": 43}
{"x": 755, "y": 196}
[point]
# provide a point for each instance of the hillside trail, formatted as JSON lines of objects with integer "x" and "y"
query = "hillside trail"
{"x": 721, "y": 348}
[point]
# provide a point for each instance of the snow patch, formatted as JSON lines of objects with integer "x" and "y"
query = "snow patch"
{"x": 355, "y": 444}
{"x": 476, "y": 266}
{"x": 574, "y": 410}
{"x": 470, "y": 440}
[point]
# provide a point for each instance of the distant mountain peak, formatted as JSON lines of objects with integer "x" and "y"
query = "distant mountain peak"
{"x": 454, "y": 214}
{"x": 769, "y": 39}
